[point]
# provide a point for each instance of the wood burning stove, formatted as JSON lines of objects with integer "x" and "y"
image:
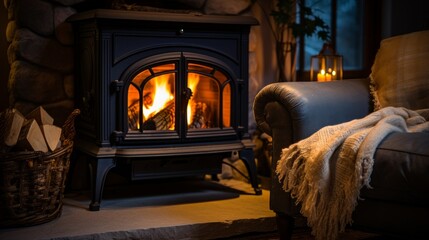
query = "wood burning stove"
{"x": 165, "y": 94}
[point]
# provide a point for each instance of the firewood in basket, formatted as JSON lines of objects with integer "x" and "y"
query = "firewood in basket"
{"x": 11, "y": 122}
{"x": 52, "y": 136}
{"x": 41, "y": 116}
{"x": 31, "y": 137}
{"x": 162, "y": 120}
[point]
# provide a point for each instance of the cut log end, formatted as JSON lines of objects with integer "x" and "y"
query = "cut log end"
{"x": 41, "y": 116}
{"x": 31, "y": 138}
{"x": 52, "y": 136}
{"x": 19, "y": 133}
{"x": 11, "y": 124}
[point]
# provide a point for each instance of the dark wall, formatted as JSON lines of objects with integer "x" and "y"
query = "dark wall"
{"x": 404, "y": 16}
{"x": 4, "y": 65}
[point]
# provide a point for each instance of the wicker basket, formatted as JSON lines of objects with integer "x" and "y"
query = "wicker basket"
{"x": 32, "y": 183}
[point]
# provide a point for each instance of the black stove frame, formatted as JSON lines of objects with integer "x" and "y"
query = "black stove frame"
{"x": 111, "y": 45}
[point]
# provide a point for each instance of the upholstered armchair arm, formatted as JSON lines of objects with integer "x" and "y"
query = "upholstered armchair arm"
{"x": 291, "y": 111}
{"x": 305, "y": 107}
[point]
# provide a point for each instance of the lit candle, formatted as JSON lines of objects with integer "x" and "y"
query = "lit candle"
{"x": 328, "y": 77}
{"x": 321, "y": 76}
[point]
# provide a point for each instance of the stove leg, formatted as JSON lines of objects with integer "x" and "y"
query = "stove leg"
{"x": 99, "y": 167}
{"x": 248, "y": 159}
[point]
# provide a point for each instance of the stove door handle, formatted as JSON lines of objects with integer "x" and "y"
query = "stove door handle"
{"x": 187, "y": 94}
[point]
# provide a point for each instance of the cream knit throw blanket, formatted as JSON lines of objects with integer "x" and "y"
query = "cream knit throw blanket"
{"x": 328, "y": 187}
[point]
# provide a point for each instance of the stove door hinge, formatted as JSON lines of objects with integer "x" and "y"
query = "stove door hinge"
{"x": 240, "y": 82}
{"x": 117, "y": 85}
{"x": 117, "y": 136}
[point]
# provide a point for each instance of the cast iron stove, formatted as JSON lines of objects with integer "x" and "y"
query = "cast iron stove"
{"x": 166, "y": 94}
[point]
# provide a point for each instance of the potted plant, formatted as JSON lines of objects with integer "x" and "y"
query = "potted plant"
{"x": 286, "y": 30}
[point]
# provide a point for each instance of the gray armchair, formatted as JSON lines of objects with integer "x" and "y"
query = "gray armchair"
{"x": 398, "y": 204}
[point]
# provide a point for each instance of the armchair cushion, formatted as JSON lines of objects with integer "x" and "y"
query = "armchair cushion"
{"x": 400, "y": 170}
{"x": 400, "y": 76}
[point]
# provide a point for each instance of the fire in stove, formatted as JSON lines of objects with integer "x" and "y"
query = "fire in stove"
{"x": 195, "y": 110}
{"x": 152, "y": 101}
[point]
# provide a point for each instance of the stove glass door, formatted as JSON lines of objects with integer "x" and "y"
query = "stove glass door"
{"x": 204, "y": 98}
{"x": 210, "y": 103}
{"x": 151, "y": 99}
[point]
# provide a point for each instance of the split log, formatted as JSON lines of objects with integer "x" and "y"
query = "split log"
{"x": 52, "y": 136}
{"x": 31, "y": 137}
{"x": 11, "y": 122}
{"x": 163, "y": 120}
{"x": 133, "y": 115}
{"x": 147, "y": 100}
{"x": 199, "y": 120}
{"x": 41, "y": 116}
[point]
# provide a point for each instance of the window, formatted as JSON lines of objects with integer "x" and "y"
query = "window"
{"x": 352, "y": 32}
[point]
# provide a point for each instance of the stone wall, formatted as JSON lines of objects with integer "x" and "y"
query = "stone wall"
{"x": 40, "y": 52}
{"x": 40, "y": 55}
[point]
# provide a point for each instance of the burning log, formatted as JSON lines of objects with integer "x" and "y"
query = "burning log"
{"x": 133, "y": 115}
{"x": 147, "y": 100}
{"x": 199, "y": 120}
{"x": 134, "y": 111}
{"x": 163, "y": 120}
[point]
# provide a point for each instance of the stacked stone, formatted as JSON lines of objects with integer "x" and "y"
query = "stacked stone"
{"x": 40, "y": 55}
{"x": 263, "y": 68}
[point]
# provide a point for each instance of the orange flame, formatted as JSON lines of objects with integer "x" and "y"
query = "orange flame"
{"x": 161, "y": 96}
{"x": 193, "y": 80}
